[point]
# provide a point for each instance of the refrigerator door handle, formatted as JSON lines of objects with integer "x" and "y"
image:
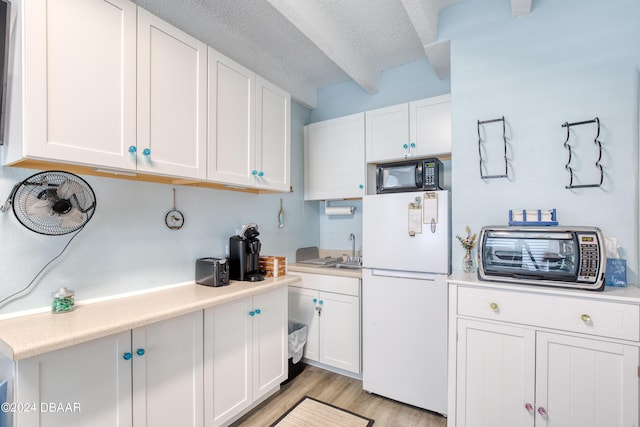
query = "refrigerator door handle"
{"x": 404, "y": 274}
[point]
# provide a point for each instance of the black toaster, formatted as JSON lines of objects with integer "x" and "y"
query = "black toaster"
{"x": 212, "y": 271}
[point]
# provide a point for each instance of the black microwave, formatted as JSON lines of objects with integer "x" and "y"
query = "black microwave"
{"x": 409, "y": 175}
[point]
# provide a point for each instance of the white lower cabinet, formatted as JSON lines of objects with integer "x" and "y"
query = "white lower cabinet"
{"x": 168, "y": 375}
{"x": 509, "y": 374}
{"x": 149, "y": 376}
{"x": 330, "y": 307}
{"x": 245, "y": 353}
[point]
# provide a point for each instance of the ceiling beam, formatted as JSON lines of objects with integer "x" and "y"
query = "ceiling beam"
{"x": 424, "y": 18}
{"x": 520, "y": 7}
{"x": 316, "y": 24}
{"x": 439, "y": 55}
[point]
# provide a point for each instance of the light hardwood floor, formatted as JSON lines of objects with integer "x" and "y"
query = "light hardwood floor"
{"x": 343, "y": 392}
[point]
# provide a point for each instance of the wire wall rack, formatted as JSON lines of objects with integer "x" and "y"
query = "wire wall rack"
{"x": 598, "y": 144}
{"x": 504, "y": 140}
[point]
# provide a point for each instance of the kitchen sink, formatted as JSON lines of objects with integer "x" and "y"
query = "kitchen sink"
{"x": 349, "y": 265}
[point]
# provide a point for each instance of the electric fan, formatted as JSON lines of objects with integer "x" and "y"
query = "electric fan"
{"x": 52, "y": 202}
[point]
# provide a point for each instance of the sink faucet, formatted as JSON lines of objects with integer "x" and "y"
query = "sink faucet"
{"x": 352, "y": 237}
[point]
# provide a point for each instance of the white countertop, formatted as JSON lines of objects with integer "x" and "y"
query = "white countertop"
{"x": 28, "y": 336}
{"x": 629, "y": 294}
{"x": 329, "y": 271}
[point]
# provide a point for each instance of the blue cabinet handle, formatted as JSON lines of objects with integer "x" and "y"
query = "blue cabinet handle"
{"x": 321, "y": 302}
{"x": 361, "y": 186}
{"x": 252, "y": 313}
{"x": 140, "y": 352}
{"x": 126, "y": 356}
{"x": 315, "y": 300}
{"x": 405, "y": 146}
{"x": 413, "y": 145}
{"x": 146, "y": 152}
{"x": 254, "y": 172}
{"x": 258, "y": 311}
{"x": 133, "y": 149}
{"x": 261, "y": 173}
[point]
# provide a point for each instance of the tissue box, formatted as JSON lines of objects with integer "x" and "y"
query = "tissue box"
{"x": 616, "y": 273}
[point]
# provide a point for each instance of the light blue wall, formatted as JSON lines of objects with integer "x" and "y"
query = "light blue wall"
{"x": 405, "y": 83}
{"x": 567, "y": 61}
{"x": 126, "y": 246}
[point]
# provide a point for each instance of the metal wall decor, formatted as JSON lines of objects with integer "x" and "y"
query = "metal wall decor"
{"x": 596, "y": 141}
{"x": 504, "y": 139}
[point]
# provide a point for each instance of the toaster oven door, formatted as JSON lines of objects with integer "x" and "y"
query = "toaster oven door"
{"x": 530, "y": 255}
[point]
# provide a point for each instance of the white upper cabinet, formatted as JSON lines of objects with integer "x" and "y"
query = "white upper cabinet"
{"x": 172, "y": 100}
{"x": 387, "y": 133}
{"x": 430, "y": 126}
{"x": 103, "y": 85}
{"x": 232, "y": 130}
{"x": 273, "y": 137}
{"x": 415, "y": 129}
{"x": 334, "y": 160}
{"x": 249, "y": 127}
{"x": 79, "y": 71}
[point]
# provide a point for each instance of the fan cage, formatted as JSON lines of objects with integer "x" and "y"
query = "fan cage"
{"x": 51, "y": 225}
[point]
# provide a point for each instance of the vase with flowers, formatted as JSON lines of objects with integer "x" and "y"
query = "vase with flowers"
{"x": 468, "y": 243}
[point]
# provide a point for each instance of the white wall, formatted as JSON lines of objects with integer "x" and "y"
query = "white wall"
{"x": 567, "y": 61}
{"x": 126, "y": 245}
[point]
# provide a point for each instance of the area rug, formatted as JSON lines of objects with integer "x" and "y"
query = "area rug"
{"x": 309, "y": 412}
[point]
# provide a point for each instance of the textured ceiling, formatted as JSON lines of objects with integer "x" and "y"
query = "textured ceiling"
{"x": 302, "y": 45}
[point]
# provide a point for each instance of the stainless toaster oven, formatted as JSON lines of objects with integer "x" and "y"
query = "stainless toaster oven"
{"x": 569, "y": 257}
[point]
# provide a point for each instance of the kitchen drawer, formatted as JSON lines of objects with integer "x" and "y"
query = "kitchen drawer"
{"x": 329, "y": 283}
{"x": 607, "y": 319}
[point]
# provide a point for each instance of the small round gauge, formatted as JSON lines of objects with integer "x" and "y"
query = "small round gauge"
{"x": 174, "y": 219}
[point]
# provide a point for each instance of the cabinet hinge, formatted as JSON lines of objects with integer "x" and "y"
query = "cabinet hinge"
{"x": 639, "y": 371}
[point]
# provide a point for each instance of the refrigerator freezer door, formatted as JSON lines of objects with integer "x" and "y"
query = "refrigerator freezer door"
{"x": 404, "y": 341}
{"x": 386, "y": 239}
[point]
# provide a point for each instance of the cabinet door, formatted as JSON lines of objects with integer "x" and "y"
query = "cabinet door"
{"x": 302, "y": 308}
{"x": 227, "y": 360}
{"x": 340, "y": 331}
{"x": 269, "y": 341}
{"x": 80, "y": 81}
{"x": 273, "y": 142}
{"x": 430, "y": 126}
{"x": 172, "y": 94}
{"x": 584, "y": 382}
{"x": 168, "y": 372}
{"x": 495, "y": 375}
{"x": 387, "y": 133}
{"x": 334, "y": 158}
{"x": 231, "y": 135}
{"x": 87, "y": 384}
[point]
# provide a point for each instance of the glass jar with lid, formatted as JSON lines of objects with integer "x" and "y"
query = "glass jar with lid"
{"x": 63, "y": 300}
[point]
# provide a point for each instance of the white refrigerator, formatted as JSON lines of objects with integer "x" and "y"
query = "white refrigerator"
{"x": 406, "y": 256}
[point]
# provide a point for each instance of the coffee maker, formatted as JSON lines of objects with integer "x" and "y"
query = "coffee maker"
{"x": 244, "y": 255}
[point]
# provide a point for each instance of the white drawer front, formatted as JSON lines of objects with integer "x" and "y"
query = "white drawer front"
{"x": 607, "y": 319}
{"x": 328, "y": 283}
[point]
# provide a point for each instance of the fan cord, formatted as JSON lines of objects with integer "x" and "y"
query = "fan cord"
{"x": 7, "y": 298}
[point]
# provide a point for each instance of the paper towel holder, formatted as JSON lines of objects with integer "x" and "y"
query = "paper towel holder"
{"x": 337, "y": 210}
